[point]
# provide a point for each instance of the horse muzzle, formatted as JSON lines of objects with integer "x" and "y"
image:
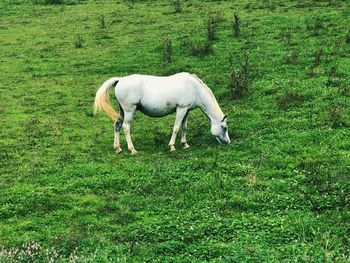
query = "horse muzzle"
{"x": 223, "y": 141}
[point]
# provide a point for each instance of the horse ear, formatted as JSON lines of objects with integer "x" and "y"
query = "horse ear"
{"x": 224, "y": 118}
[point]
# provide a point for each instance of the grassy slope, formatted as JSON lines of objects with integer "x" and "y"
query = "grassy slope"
{"x": 279, "y": 192}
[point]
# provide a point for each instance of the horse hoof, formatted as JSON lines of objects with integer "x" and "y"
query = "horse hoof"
{"x": 172, "y": 148}
{"x": 185, "y": 145}
{"x": 133, "y": 152}
{"x": 118, "y": 150}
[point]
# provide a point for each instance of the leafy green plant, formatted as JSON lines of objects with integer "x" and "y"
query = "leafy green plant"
{"x": 286, "y": 35}
{"x": 196, "y": 47}
{"x": 199, "y": 49}
{"x": 167, "y": 51}
{"x": 347, "y": 38}
{"x": 291, "y": 57}
{"x": 102, "y": 22}
{"x": 47, "y": 2}
{"x": 240, "y": 79}
{"x": 211, "y": 28}
{"x": 177, "y": 5}
{"x": 313, "y": 71}
{"x": 78, "y": 43}
{"x": 55, "y": 2}
{"x": 315, "y": 26}
{"x": 236, "y": 25}
{"x": 290, "y": 99}
{"x": 337, "y": 118}
{"x": 317, "y": 57}
{"x": 333, "y": 78}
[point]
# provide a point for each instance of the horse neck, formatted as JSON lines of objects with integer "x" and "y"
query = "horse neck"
{"x": 209, "y": 105}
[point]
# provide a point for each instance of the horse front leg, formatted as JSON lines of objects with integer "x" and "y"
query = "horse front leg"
{"x": 184, "y": 131}
{"x": 128, "y": 115}
{"x": 180, "y": 114}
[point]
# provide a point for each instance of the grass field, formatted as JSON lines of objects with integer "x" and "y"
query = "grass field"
{"x": 279, "y": 192}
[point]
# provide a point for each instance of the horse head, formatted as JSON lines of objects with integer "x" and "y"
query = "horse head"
{"x": 220, "y": 131}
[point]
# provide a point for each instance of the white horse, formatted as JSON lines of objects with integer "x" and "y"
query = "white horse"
{"x": 158, "y": 97}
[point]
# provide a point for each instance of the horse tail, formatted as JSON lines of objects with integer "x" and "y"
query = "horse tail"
{"x": 102, "y": 101}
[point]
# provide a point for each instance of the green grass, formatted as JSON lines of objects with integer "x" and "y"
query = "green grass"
{"x": 279, "y": 192}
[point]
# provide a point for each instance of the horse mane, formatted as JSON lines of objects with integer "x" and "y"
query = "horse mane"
{"x": 209, "y": 91}
{"x": 203, "y": 84}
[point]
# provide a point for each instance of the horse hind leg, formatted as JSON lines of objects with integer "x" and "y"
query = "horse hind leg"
{"x": 128, "y": 115}
{"x": 117, "y": 127}
{"x": 184, "y": 143}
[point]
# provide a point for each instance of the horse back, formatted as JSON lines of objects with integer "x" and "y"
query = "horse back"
{"x": 156, "y": 95}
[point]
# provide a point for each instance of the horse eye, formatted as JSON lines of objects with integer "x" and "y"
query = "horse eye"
{"x": 224, "y": 128}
